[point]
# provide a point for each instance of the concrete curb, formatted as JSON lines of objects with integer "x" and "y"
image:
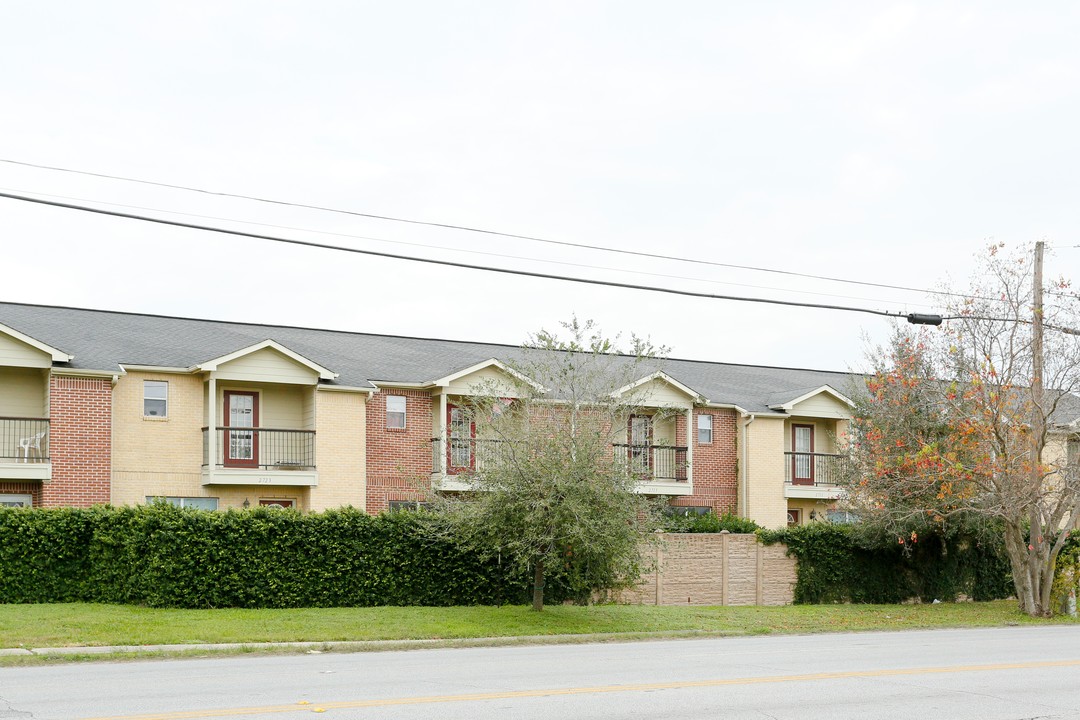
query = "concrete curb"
{"x": 352, "y": 645}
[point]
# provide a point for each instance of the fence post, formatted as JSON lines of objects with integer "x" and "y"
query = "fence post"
{"x": 759, "y": 582}
{"x": 725, "y": 560}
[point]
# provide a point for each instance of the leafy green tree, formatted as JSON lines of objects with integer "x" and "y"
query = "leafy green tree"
{"x": 547, "y": 491}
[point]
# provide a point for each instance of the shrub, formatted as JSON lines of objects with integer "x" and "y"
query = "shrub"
{"x": 844, "y": 563}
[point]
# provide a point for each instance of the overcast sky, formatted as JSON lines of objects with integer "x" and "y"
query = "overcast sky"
{"x": 878, "y": 142}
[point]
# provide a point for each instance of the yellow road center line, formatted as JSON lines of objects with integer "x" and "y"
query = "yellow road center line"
{"x": 553, "y": 692}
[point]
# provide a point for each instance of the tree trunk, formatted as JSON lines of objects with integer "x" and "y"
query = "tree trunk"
{"x": 538, "y": 585}
{"x": 1016, "y": 549}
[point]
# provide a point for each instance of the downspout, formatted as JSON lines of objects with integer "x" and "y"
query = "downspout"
{"x": 744, "y": 486}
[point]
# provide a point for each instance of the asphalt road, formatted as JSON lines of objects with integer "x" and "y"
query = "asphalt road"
{"x": 989, "y": 674}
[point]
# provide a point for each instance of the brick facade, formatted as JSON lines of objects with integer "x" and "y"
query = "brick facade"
{"x": 398, "y": 460}
{"x": 715, "y": 464}
{"x": 80, "y": 435}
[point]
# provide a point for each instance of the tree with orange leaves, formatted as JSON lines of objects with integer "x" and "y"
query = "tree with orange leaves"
{"x": 948, "y": 428}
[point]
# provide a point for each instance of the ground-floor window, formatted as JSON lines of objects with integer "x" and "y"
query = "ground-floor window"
{"x": 793, "y": 517}
{"x": 396, "y": 505}
{"x": 9, "y": 500}
{"x": 203, "y": 503}
{"x": 279, "y": 503}
{"x": 687, "y": 510}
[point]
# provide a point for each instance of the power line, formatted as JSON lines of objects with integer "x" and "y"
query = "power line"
{"x": 465, "y": 250}
{"x": 466, "y": 228}
{"x": 447, "y": 263}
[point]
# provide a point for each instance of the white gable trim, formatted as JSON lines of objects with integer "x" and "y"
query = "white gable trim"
{"x": 54, "y": 353}
{"x": 826, "y": 389}
{"x": 211, "y": 365}
{"x": 490, "y": 363}
{"x": 664, "y": 377}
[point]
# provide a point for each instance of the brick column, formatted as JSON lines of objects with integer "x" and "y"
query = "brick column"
{"x": 80, "y": 436}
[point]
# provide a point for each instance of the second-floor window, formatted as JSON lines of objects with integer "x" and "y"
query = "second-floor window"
{"x": 395, "y": 412}
{"x": 704, "y": 429}
{"x": 155, "y": 398}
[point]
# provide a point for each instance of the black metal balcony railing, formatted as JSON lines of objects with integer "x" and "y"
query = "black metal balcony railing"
{"x": 265, "y": 448}
{"x": 657, "y": 462}
{"x": 457, "y": 456}
{"x": 803, "y": 468}
{"x": 461, "y": 455}
{"x": 24, "y": 440}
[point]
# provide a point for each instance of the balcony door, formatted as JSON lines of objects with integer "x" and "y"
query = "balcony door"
{"x": 802, "y": 456}
{"x": 640, "y": 432}
{"x": 462, "y": 431}
{"x": 241, "y": 444}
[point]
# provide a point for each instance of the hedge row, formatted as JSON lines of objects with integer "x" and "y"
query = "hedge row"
{"x": 164, "y": 556}
{"x": 838, "y": 564}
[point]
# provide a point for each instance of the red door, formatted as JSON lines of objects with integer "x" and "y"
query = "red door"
{"x": 802, "y": 454}
{"x": 241, "y": 445}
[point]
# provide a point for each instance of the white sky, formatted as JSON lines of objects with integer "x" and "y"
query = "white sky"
{"x": 878, "y": 142}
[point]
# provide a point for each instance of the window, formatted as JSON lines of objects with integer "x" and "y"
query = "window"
{"x": 15, "y": 500}
{"x": 406, "y": 505}
{"x": 687, "y": 510}
{"x": 841, "y": 517}
{"x": 155, "y": 398}
{"x": 202, "y": 503}
{"x": 395, "y": 412}
{"x": 704, "y": 429}
{"x": 277, "y": 504}
{"x": 1072, "y": 452}
{"x": 792, "y": 517}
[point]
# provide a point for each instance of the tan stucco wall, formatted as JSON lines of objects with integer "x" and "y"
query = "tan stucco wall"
{"x": 808, "y": 506}
{"x": 18, "y": 354}
{"x": 340, "y": 424}
{"x": 156, "y": 456}
{"x": 764, "y": 469}
{"x": 24, "y": 392}
{"x": 486, "y": 381}
{"x": 825, "y": 433}
{"x": 280, "y": 406}
{"x": 268, "y": 366}
{"x": 659, "y": 393}
{"x": 821, "y": 405}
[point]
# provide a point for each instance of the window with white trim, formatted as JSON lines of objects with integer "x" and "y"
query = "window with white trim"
{"x": 155, "y": 398}
{"x": 396, "y": 406}
{"x": 202, "y": 503}
{"x": 704, "y": 429}
{"x": 8, "y": 500}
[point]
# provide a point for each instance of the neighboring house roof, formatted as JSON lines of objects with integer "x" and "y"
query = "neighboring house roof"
{"x": 104, "y": 340}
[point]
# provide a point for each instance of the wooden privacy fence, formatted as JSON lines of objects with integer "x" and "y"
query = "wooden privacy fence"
{"x": 716, "y": 569}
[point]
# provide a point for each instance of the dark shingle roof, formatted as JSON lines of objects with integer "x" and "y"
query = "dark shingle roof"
{"x": 103, "y": 340}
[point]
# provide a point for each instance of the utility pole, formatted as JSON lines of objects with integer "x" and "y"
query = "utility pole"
{"x": 1038, "y": 420}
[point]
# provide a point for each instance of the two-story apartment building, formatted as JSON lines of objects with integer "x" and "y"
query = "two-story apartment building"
{"x": 125, "y": 408}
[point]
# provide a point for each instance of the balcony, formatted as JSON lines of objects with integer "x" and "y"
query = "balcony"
{"x": 663, "y": 463}
{"x": 663, "y": 469}
{"x": 260, "y": 456}
{"x": 24, "y": 449}
{"x": 459, "y": 456}
{"x": 814, "y": 476}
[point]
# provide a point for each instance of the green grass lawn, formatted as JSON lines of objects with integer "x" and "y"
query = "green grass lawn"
{"x": 85, "y": 624}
